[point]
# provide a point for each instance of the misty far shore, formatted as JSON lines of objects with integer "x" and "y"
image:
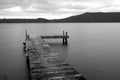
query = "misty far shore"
{"x": 86, "y": 17}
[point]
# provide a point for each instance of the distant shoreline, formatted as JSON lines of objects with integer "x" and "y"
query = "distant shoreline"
{"x": 58, "y": 22}
{"x": 98, "y": 17}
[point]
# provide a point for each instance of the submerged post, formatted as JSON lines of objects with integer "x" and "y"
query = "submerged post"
{"x": 24, "y": 48}
{"x": 26, "y": 34}
{"x": 28, "y": 66}
{"x": 66, "y": 41}
{"x": 26, "y": 37}
{"x": 63, "y": 37}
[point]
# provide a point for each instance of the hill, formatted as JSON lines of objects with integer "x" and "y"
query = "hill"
{"x": 92, "y": 17}
{"x": 86, "y": 17}
{"x": 39, "y": 20}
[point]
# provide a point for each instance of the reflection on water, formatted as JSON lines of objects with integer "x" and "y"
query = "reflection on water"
{"x": 93, "y": 48}
{"x": 59, "y": 48}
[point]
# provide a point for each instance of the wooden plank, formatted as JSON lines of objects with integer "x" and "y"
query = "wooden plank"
{"x": 54, "y": 36}
{"x": 45, "y": 64}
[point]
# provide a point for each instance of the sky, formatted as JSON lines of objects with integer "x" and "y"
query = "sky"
{"x": 54, "y": 9}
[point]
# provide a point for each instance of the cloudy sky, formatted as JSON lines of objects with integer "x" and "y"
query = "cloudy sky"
{"x": 52, "y": 9}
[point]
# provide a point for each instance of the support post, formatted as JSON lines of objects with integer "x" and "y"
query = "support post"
{"x": 27, "y": 61}
{"x": 26, "y": 34}
{"x": 66, "y": 41}
{"x": 63, "y": 37}
{"x": 28, "y": 37}
{"x": 24, "y": 46}
{"x": 28, "y": 66}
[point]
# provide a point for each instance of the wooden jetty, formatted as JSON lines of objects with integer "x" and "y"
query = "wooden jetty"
{"x": 46, "y": 64}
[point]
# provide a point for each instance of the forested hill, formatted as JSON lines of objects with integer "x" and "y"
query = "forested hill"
{"x": 39, "y": 20}
{"x": 93, "y": 17}
{"x": 86, "y": 17}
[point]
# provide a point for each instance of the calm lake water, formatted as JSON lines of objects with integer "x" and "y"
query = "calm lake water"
{"x": 93, "y": 48}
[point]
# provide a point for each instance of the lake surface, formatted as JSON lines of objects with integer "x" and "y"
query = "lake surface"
{"x": 93, "y": 48}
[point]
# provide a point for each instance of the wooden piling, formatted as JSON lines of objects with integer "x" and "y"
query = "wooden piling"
{"x": 27, "y": 37}
{"x": 26, "y": 34}
{"x": 28, "y": 66}
{"x": 28, "y": 62}
{"x": 63, "y": 38}
{"x": 66, "y": 41}
{"x": 24, "y": 46}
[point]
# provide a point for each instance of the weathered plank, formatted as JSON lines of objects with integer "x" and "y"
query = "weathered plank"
{"x": 45, "y": 64}
{"x": 54, "y": 36}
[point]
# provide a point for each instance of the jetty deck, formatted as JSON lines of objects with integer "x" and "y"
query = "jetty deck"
{"x": 54, "y": 36}
{"x": 45, "y": 64}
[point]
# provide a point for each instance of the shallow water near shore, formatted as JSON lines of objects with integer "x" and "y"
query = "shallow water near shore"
{"x": 93, "y": 48}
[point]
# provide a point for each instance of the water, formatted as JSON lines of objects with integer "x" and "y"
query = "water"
{"x": 93, "y": 48}
{"x": 12, "y": 59}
